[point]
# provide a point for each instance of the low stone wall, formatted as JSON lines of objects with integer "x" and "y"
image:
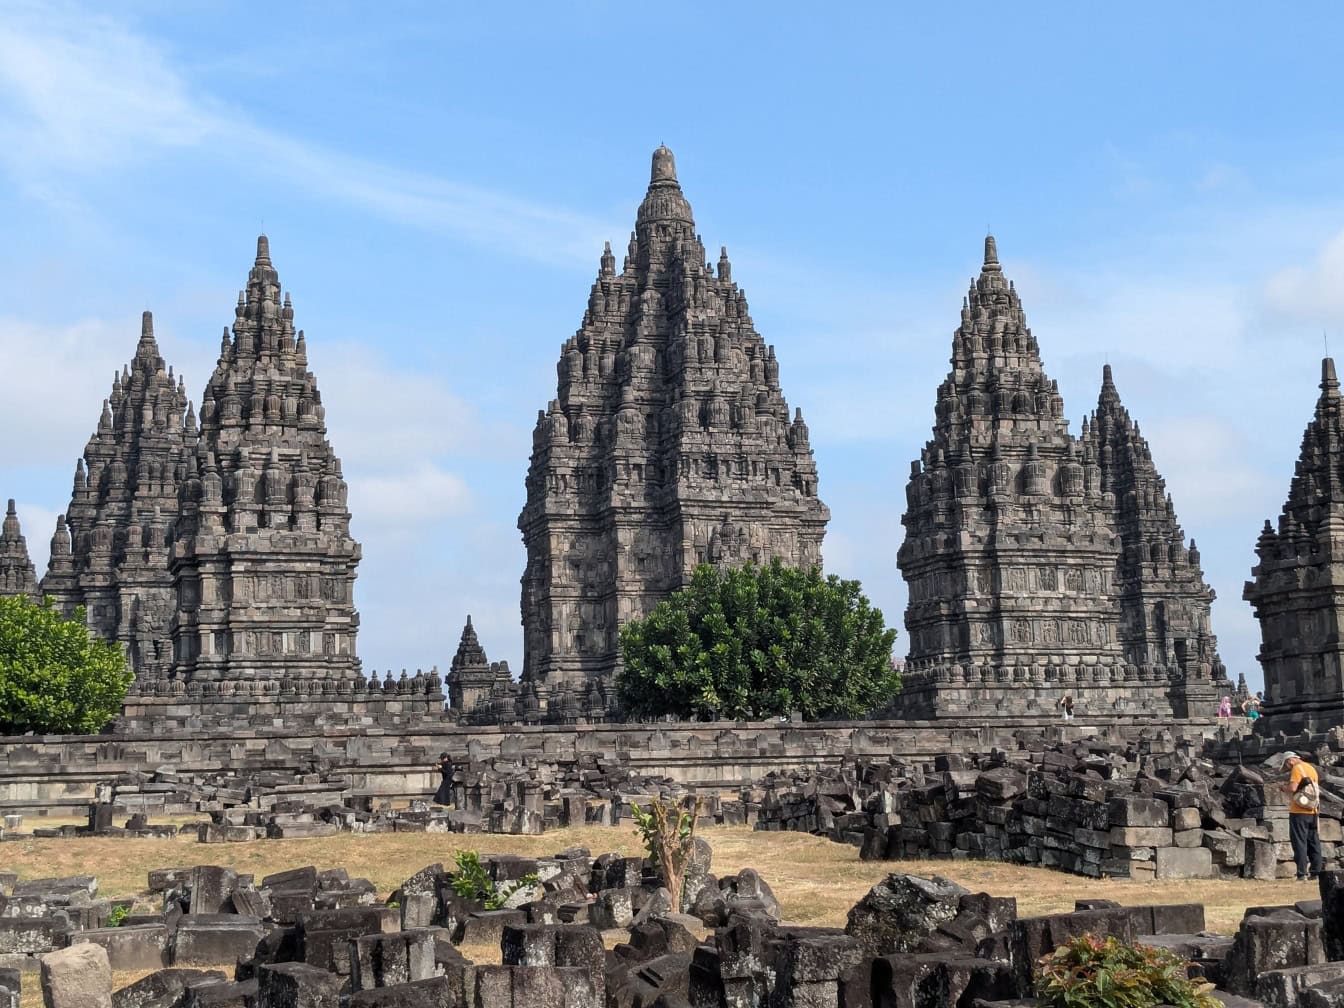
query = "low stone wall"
{"x": 51, "y": 773}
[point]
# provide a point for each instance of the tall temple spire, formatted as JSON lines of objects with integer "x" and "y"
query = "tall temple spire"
{"x": 263, "y": 563}
{"x": 1013, "y": 540}
{"x": 17, "y": 576}
{"x": 669, "y": 444}
{"x": 110, "y": 552}
{"x": 1164, "y": 599}
{"x": 1296, "y": 584}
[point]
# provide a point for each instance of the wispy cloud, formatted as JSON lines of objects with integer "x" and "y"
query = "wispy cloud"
{"x": 1312, "y": 292}
{"x": 82, "y": 93}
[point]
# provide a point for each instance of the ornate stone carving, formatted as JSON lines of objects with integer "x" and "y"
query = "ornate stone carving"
{"x": 1298, "y": 582}
{"x": 1059, "y": 542}
{"x": 670, "y": 423}
{"x": 263, "y": 512}
{"x": 17, "y": 576}
{"x": 110, "y": 549}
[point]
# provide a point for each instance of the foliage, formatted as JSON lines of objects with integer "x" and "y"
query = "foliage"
{"x": 753, "y": 642}
{"x": 1091, "y": 972}
{"x": 118, "y": 915}
{"x": 668, "y": 832}
{"x": 472, "y": 881}
{"x": 54, "y": 677}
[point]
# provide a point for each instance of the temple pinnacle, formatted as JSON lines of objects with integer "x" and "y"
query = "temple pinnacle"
{"x": 263, "y": 251}
{"x": 991, "y": 255}
{"x": 147, "y": 327}
{"x": 664, "y": 166}
{"x": 1329, "y": 383}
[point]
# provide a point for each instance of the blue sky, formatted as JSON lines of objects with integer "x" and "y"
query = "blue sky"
{"x": 437, "y": 181}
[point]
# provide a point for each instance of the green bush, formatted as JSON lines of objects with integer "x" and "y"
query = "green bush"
{"x": 472, "y": 881}
{"x": 752, "y": 642}
{"x": 1091, "y": 972}
{"x": 55, "y": 678}
{"x": 118, "y": 915}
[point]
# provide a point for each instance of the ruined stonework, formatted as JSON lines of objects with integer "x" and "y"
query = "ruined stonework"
{"x": 669, "y": 445}
{"x": 263, "y": 562}
{"x": 1299, "y": 580}
{"x": 1164, "y": 599}
{"x": 110, "y": 549}
{"x": 1040, "y": 565}
{"x": 479, "y": 690}
{"x": 17, "y": 576}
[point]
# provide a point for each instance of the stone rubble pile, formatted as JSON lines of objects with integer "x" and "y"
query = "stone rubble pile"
{"x": 1151, "y": 809}
{"x": 494, "y": 795}
{"x": 597, "y": 933}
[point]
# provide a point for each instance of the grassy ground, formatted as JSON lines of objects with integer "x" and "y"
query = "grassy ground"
{"x": 815, "y": 880}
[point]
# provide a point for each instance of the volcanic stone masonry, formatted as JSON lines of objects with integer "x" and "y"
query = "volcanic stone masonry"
{"x": 1041, "y": 565}
{"x": 315, "y": 938}
{"x": 262, "y": 559}
{"x": 669, "y": 445}
{"x": 1299, "y": 578}
{"x": 110, "y": 550}
{"x": 17, "y": 576}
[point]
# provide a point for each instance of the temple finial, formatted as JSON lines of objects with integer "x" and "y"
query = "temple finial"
{"x": 1329, "y": 383}
{"x": 147, "y": 327}
{"x": 263, "y": 251}
{"x": 991, "y": 255}
{"x": 664, "y": 166}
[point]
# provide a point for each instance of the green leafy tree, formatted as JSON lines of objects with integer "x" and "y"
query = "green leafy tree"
{"x": 752, "y": 642}
{"x": 54, "y": 677}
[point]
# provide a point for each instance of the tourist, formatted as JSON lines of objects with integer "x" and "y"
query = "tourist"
{"x": 1304, "y": 791}
{"x": 1251, "y": 708}
{"x": 1225, "y": 710}
{"x": 444, "y": 795}
{"x": 1066, "y": 702}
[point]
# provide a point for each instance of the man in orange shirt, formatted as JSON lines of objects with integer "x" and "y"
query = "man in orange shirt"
{"x": 1304, "y": 802}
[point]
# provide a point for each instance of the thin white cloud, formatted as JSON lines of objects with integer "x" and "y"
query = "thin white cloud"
{"x": 1312, "y": 292}
{"x": 424, "y": 493}
{"x": 81, "y": 93}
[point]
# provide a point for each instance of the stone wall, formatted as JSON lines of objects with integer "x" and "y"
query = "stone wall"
{"x": 55, "y": 772}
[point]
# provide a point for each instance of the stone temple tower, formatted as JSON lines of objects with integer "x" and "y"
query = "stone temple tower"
{"x": 263, "y": 563}
{"x": 1298, "y": 583}
{"x": 17, "y": 576}
{"x": 669, "y": 444}
{"x": 1039, "y": 565}
{"x": 110, "y": 550}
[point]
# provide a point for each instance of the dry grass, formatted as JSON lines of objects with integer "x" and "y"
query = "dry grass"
{"x": 816, "y": 881}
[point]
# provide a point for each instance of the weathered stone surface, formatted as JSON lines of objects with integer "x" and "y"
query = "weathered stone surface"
{"x": 263, "y": 538}
{"x": 1184, "y": 863}
{"x": 669, "y": 444}
{"x": 211, "y": 939}
{"x": 110, "y": 549}
{"x": 901, "y": 911}
{"x": 23, "y": 935}
{"x": 1293, "y": 590}
{"x": 77, "y": 977}
{"x": 297, "y": 985}
{"x": 1042, "y": 565}
{"x": 166, "y": 988}
{"x": 17, "y": 576}
{"x": 385, "y": 960}
{"x": 131, "y": 947}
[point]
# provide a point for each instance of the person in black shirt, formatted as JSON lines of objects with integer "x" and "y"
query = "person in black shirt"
{"x": 444, "y": 795}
